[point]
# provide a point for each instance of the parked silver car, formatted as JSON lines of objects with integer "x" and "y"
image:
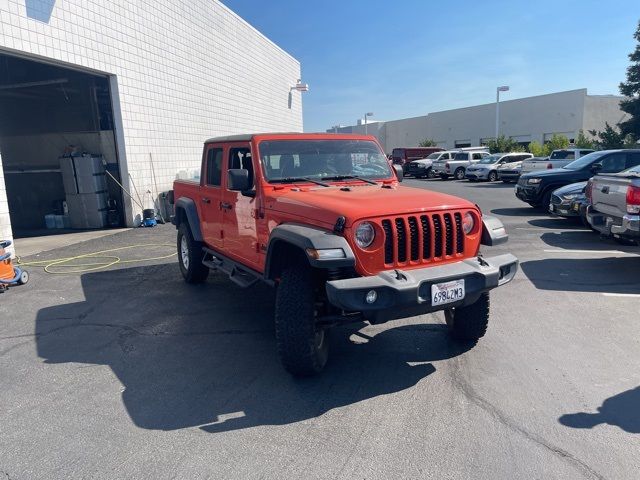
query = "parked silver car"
{"x": 487, "y": 168}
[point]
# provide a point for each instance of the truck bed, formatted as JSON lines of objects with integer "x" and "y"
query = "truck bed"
{"x": 609, "y": 193}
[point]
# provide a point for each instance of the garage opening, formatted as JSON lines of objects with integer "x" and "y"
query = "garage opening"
{"x": 58, "y": 148}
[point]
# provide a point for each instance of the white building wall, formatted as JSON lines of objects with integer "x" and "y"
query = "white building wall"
{"x": 525, "y": 120}
{"x": 185, "y": 71}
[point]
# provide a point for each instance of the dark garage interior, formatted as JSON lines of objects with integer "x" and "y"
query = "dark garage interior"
{"x": 47, "y": 113}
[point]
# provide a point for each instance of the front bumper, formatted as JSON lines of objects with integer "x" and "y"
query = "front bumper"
{"x": 413, "y": 170}
{"x": 626, "y": 226}
{"x": 406, "y": 293}
{"x": 477, "y": 175}
{"x": 509, "y": 175}
{"x": 527, "y": 193}
{"x": 564, "y": 209}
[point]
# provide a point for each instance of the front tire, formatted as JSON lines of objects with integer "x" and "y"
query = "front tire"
{"x": 190, "y": 256}
{"x": 302, "y": 344}
{"x": 493, "y": 176}
{"x": 469, "y": 323}
{"x": 430, "y": 173}
{"x": 459, "y": 174}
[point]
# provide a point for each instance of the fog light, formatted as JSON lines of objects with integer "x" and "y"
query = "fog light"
{"x": 371, "y": 297}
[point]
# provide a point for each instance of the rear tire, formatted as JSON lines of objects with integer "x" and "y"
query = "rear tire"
{"x": 459, "y": 173}
{"x": 469, "y": 323}
{"x": 190, "y": 256}
{"x": 302, "y": 345}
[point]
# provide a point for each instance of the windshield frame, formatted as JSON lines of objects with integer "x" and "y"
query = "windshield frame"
{"x": 371, "y": 148}
{"x": 585, "y": 161}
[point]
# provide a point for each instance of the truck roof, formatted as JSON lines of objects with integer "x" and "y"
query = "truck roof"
{"x": 247, "y": 137}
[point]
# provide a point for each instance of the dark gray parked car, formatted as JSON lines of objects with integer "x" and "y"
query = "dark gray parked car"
{"x": 562, "y": 198}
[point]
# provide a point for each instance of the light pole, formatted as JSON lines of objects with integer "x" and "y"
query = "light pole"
{"x": 368, "y": 114}
{"x": 504, "y": 88}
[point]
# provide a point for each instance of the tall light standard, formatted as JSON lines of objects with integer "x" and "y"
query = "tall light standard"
{"x": 368, "y": 114}
{"x": 504, "y": 88}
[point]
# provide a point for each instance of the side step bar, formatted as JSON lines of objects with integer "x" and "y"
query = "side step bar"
{"x": 242, "y": 277}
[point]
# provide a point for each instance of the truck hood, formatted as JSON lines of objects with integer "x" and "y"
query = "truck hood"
{"x": 570, "y": 189}
{"x": 554, "y": 172}
{"x": 357, "y": 201}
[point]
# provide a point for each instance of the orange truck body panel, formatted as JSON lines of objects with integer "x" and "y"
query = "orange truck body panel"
{"x": 242, "y": 233}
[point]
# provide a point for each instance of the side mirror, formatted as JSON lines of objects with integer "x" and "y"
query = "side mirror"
{"x": 596, "y": 167}
{"x": 399, "y": 172}
{"x": 238, "y": 179}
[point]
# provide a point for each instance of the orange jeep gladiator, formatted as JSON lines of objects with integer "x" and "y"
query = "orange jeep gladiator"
{"x": 322, "y": 217}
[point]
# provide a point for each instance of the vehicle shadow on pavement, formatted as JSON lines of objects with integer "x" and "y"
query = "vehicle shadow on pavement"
{"x": 556, "y": 223}
{"x": 581, "y": 240}
{"x": 600, "y": 275}
{"x": 495, "y": 185}
{"x": 519, "y": 212}
{"x": 621, "y": 410}
{"x": 205, "y": 356}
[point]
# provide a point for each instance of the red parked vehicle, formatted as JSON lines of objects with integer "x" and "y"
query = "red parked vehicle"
{"x": 322, "y": 217}
{"x": 402, "y": 156}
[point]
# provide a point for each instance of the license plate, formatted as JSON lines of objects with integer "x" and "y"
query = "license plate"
{"x": 449, "y": 292}
{"x": 576, "y": 207}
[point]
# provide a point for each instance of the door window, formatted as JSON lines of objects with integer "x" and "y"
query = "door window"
{"x": 477, "y": 156}
{"x": 613, "y": 163}
{"x": 214, "y": 167}
{"x": 633, "y": 159}
{"x": 240, "y": 157}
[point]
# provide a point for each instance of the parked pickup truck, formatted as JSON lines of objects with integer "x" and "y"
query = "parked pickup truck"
{"x": 614, "y": 199}
{"x": 557, "y": 159}
{"x": 536, "y": 187}
{"x": 323, "y": 219}
{"x": 458, "y": 165}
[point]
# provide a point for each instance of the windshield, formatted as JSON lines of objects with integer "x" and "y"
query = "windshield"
{"x": 562, "y": 155}
{"x": 433, "y": 156}
{"x": 397, "y": 152}
{"x": 584, "y": 161}
{"x": 489, "y": 160}
{"x": 288, "y": 159}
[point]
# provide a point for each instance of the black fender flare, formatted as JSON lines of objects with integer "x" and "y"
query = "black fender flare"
{"x": 186, "y": 207}
{"x": 493, "y": 231}
{"x": 306, "y": 237}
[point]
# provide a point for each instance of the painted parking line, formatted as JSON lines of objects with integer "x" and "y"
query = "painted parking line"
{"x": 593, "y": 252}
{"x": 623, "y": 295}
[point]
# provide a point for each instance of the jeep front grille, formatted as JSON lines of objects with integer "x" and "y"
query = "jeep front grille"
{"x": 422, "y": 238}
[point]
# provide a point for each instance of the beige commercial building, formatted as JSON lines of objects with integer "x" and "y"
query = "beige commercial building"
{"x": 525, "y": 120}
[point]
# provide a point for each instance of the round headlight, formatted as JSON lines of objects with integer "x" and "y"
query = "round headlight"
{"x": 365, "y": 234}
{"x": 468, "y": 223}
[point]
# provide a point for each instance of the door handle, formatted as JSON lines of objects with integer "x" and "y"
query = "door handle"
{"x": 206, "y": 200}
{"x": 225, "y": 206}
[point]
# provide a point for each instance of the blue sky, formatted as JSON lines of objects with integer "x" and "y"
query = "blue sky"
{"x": 407, "y": 58}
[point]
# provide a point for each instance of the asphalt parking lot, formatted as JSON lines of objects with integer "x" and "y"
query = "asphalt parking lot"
{"x": 130, "y": 373}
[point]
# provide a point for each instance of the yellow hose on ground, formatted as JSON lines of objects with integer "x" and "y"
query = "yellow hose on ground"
{"x": 69, "y": 266}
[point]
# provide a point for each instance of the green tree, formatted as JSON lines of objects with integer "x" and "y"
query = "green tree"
{"x": 537, "y": 149}
{"x": 582, "y": 141}
{"x": 427, "y": 142}
{"x": 504, "y": 144}
{"x": 631, "y": 90}
{"x": 610, "y": 138}
{"x": 556, "y": 142}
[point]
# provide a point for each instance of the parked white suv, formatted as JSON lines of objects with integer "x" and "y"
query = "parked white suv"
{"x": 423, "y": 167}
{"x": 457, "y": 166}
{"x": 557, "y": 159}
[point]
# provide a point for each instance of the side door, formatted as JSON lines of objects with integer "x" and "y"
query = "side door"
{"x": 476, "y": 157}
{"x": 211, "y": 196}
{"x": 240, "y": 208}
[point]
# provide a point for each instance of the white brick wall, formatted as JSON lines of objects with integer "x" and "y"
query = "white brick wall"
{"x": 185, "y": 71}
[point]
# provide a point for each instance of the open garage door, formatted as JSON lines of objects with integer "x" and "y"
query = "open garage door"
{"x": 58, "y": 148}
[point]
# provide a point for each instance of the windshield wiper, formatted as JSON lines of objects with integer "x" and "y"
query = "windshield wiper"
{"x": 350, "y": 177}
{"x": 299, "y": 179}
